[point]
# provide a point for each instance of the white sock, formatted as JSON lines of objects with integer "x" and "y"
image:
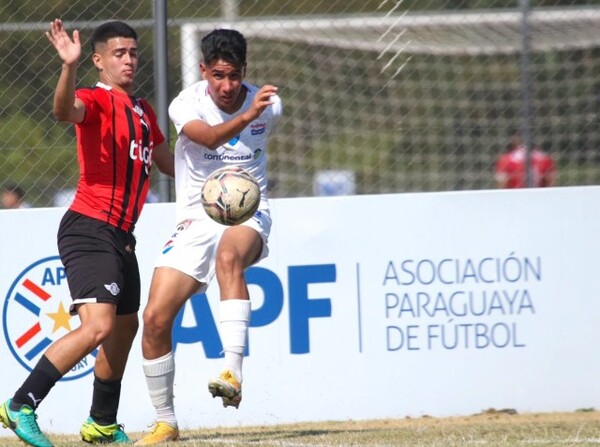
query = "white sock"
{"x": 160, "y": 376}
{"x": 234, "y": 318}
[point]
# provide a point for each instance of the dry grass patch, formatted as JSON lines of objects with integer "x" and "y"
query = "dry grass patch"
{"x": 502, "y": 428}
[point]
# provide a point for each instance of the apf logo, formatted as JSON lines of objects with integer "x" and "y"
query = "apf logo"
{"x": 36, "y": 313}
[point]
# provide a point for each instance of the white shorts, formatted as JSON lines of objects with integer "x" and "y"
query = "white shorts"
{"x": 193, "y": 246}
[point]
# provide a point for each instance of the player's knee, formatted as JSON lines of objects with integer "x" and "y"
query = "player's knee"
{"x": 155, "y": 322}
{"x": 228, "y": 265}
{"x": 97, "y": 331}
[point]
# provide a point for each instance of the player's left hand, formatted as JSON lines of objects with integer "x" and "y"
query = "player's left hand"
{"x": 262, "y": 100}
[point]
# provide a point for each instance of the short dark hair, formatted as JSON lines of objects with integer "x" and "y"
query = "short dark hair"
{"x": 226, "y": 44}
{"x": 108, "y": 30}
{"x": 15, "y": 189}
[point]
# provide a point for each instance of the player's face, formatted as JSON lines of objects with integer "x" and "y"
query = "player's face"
{"x": 117, "y": 62}
{"x": 225, "y": 84}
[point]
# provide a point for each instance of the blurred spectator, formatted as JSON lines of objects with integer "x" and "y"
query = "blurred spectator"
{"x": 511, "y": 166}
{"x": 13, "y": 197}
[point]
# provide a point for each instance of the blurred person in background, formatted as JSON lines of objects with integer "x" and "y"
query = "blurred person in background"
{"x": 511, "y": 166}
{"x": 118, "y": 139}
{"x": 13, "y": 197}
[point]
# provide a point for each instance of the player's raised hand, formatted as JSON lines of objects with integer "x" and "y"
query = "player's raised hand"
{"x": 69, "y": 50}
{"x": 262, "y": 99}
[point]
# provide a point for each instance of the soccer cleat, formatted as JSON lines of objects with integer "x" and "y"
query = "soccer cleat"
{"x": 227, "y": 387}
{"x": 24, "y": 423}
{"x": 103, "y": 434}
{"x": 161, "y": 432}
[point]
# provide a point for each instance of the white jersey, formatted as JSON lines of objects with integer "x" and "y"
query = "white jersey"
{"x": 194, "y": 162}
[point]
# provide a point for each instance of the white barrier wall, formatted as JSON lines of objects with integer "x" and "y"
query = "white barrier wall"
{"x": 368, "y": 307}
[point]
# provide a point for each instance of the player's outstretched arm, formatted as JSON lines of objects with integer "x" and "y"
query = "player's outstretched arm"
{"x": 163, "y": 157}
{"x": 213, "y": 136}
{"x": 66, "y": 107}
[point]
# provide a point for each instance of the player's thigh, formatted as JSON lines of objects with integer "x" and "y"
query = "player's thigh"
{"x": 248, "y": 241}
{"x": 239, "y": 243}
{"x": 169, "y": 290}
{"x": 129, "y": 302}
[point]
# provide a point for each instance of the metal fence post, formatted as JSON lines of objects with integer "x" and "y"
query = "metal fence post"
{"x": 161, "y": 83}
{"x": 526, "y": 91}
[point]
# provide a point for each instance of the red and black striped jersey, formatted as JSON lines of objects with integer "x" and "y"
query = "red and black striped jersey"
{"x": 114, "y": 149}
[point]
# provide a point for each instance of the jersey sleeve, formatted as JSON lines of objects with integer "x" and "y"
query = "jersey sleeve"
{"x": 92, "y": 109}
{"x": 182, "y": 110}
{"x": 277, "y": 111}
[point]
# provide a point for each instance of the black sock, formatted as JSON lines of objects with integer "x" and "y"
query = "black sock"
{"x": 105, "y": 401}
{"x": 37, "y": 385}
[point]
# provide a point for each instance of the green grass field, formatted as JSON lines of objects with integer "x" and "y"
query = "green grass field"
{"x": 490, "y": 428}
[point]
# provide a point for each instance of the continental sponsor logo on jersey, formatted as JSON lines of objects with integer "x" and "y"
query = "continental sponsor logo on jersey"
{"x": 258, "y": 128}
{"x": 228, "y": 157}
{"x": 36, "y": 313}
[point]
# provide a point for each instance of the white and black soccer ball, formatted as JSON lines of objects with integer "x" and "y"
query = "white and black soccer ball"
{"x": 230, "y": 195}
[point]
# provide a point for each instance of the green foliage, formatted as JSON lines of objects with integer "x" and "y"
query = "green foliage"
{"x": 27, "y": 158}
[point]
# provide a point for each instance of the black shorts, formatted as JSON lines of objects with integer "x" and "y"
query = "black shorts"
{"x": 100, "y": 263}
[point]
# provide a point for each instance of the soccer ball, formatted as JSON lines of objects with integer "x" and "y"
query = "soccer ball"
{"x": 230, "y": 196}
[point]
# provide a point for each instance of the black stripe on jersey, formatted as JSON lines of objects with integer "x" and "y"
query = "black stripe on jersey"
{"x": 143, "y": 174}
{"x": 114, "y": 157}
{"x": 129, "y": 175}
